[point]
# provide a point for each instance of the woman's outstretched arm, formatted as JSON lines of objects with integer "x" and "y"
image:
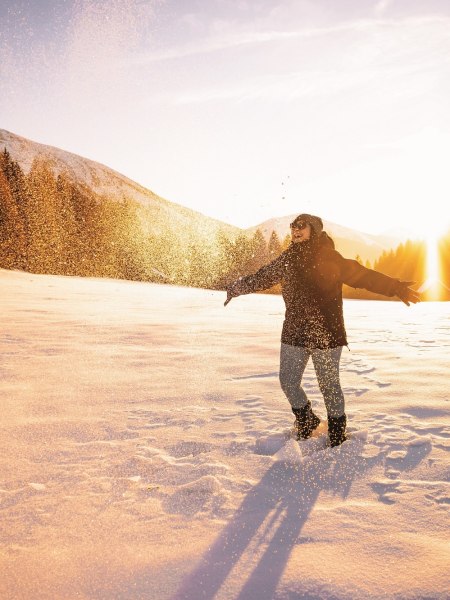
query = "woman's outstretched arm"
{"x": 357, "y": 276}
{"x": 263, "y": 279}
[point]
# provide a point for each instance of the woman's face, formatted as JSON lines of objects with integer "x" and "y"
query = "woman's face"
{"x": 300, "y": 232}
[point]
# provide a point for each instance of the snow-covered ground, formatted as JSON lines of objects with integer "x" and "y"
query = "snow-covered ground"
{"x": 145, "y": 453}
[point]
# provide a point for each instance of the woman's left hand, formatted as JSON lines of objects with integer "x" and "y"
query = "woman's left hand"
{"x": 406, "y": 293}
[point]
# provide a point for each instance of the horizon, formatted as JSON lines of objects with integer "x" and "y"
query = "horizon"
{"x": 244, "y": 113}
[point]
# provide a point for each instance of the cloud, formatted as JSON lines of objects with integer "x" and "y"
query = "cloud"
{"x": 381, "y": 7}
{"x": 215, "y": 44}
{"x": 229, "y": 38}
{"x": 404, "y": 58}
{"x": 242, "y": 38}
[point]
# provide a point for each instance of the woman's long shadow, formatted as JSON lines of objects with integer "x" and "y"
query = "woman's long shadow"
{"x": 269, "y": 522}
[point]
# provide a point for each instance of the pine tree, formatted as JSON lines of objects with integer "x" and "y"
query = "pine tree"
{"x": 274, "y": 246}
{"x": 12, "y": 233}
{"x": 17, "y": 207}
{"x": 45, "y": 220}
{"x": 83, "y": 206}
{"x": 286, "y": 242}
{"x": 260, "y": 254}
{"x": 71, "y": 239}
{"x": 201, "y": 266}
{"x": 125, "y": 229}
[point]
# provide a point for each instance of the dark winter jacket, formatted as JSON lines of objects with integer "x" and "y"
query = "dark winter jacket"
{"x": 311, "y": 274}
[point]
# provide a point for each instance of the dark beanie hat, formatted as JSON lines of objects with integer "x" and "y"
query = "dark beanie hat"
{"x": 315, "y": 222}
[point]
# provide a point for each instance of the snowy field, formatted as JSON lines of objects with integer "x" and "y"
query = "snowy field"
{"x": 145, "y": 450}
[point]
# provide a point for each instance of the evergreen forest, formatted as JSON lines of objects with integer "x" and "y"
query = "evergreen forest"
{"x": 50, "y": 224}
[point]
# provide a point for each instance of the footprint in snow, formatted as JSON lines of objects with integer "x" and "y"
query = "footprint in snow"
{"x": 386, "y": 491}
{"x": 439, "y": 497}
{"x": 187, "y": 448}
{"x": 250, "y": 402}
{"x": 203, "y": 495}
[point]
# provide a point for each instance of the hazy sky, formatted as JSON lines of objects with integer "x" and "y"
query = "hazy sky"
{"x": 244, "y": 110}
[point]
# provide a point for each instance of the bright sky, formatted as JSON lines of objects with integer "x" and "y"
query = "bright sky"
{"x": 244, "y": 110}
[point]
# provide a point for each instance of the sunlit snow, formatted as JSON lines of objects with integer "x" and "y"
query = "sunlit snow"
{"x": 145, "y": 449}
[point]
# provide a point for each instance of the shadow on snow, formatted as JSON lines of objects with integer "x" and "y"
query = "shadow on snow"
{"x": 268, "y": 523}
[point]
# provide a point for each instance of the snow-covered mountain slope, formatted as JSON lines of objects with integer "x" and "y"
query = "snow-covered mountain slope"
{"x": 110, "y": 183}
{"x": 100, "y": 178}
{"x": 348, "y": 241}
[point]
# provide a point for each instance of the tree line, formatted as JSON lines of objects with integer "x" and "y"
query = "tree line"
{"x": 50, "y": 224}
{"x": 408, "y": 262}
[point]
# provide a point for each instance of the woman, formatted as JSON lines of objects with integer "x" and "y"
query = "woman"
{"x": 312, "y": 272}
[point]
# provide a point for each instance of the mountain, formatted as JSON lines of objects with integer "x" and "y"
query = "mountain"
{"x": 162, "y": 215}
{"x": 109, "y": 183}
{"x": 349, "y": 242}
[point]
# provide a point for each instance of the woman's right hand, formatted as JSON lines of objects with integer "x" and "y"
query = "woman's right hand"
{"x": 232, "y": 292}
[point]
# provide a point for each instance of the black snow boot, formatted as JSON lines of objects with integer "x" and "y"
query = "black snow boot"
{"x": 305, "y": 421}
{"x": 336, "y": 430}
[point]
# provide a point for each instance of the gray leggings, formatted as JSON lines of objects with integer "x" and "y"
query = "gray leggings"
{"x": 293, "y": 360}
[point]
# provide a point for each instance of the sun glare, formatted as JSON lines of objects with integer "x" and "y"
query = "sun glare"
{"x": 432, "y": 286}
{"x": 433, "y": 266}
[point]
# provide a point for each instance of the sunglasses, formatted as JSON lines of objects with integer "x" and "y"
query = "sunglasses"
{"x": 299, "y": 225}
